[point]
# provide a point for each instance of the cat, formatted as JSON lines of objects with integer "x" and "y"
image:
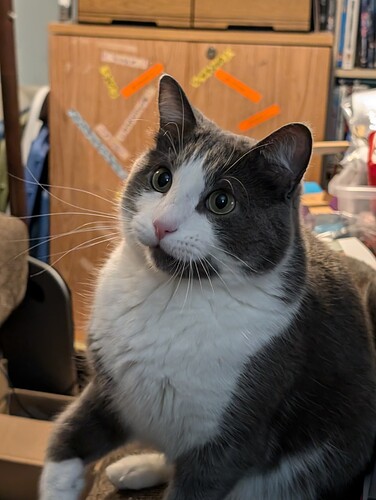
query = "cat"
{"x": 223, "y": 334}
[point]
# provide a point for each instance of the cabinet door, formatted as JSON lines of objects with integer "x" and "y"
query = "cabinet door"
{"x": 101, "y": 120}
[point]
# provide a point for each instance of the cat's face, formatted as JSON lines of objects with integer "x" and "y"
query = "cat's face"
{"x": 206, "y": 201}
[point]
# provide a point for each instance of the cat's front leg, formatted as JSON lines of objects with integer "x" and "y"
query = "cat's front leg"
{"x": 203, "y": 475}
{"x": 86, "y": 431}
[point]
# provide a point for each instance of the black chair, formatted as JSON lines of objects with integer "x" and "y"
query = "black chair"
{"x": 38, "y": 338}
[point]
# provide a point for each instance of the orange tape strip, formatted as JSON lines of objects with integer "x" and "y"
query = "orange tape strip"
{"x": 237, "y": 85}
{"x": 142, "y": 80}
{"x": 261, "y": 116}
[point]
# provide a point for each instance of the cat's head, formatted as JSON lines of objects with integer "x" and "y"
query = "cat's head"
{"x": 209, "y": 200}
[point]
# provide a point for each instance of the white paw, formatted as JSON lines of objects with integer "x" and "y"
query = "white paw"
{"x": 62, "y": 480}
{"x": 136, "y": 472}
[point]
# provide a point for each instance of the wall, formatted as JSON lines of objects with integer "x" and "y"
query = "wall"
{"x": 31, "y": 24}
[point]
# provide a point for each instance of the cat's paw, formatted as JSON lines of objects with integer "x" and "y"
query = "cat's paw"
{"x": 62, "y": 480}
{"x": 136, "y": 472}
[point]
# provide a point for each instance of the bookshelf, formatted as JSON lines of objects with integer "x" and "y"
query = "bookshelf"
{"x": 354, "y": 55}
{"x": 356, "y": 73}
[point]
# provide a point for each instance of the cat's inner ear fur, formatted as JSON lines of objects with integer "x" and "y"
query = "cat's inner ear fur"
{"x": 176, "y": 114}
{"x": 287, "y": 152}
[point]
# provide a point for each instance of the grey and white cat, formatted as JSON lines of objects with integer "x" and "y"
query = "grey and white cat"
{"x": 222, "y": 333}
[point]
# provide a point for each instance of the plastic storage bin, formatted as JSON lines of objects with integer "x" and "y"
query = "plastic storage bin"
{"x": 356, "y": 200}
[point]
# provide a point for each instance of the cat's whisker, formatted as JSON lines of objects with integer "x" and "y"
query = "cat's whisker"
{"x": 53, "y": 214}
{"x": 230, "y": 156}
{"x": 61, "y": 235}
{"x": 179, "y": 138}
{"x": 198, "y": 276}
{"x": 80, "y": 229}
{"x": 188, "y": 284}
{"x": 234, "y": 257}
{"x": 175, "y": 273}
{"x": 202, "y": 261}
{"x": 68, "y": 188}
{"x": 237, "y": 161}
{"x": 167, "y": 133}
{"x": 253, "y": 148}
{"x": 85, "y": 244}
{"x": 180, "y": 271}
{"x": 242, "y": 185}
{"x": 61, "y": 200}
{"x": 217, "y": 273}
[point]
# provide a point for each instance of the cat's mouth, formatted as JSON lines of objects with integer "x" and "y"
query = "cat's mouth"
{"x": 194, "y": 268}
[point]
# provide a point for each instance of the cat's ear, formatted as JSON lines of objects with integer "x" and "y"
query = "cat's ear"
{"x": 287, "y": 152}
{"x": 175, "y": 112}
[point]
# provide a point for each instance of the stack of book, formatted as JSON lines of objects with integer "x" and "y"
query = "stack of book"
{"x": 324, "y": 15}
{"x": 356, "y": 34}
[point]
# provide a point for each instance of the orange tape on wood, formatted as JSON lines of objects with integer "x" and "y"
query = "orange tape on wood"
{"x": 237, "y": 85}
{"x": 142, "y": 80}
{"x": 260, "y": 117}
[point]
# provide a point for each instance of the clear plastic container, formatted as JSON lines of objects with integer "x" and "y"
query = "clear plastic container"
{"x": 359, "y": 203}
{"x": 356, "y": 199}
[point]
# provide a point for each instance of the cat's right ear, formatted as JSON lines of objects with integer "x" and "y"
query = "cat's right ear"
{"x": 175, "y": 112}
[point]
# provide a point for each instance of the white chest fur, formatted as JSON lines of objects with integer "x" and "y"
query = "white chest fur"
{"x": 175, "y": 352}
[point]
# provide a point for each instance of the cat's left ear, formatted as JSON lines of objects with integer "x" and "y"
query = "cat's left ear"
{"x": 176, "y": 113}
{"x": 287, "y": 152}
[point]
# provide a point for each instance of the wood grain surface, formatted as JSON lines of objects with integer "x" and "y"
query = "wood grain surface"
{"x": 85, "y": 187}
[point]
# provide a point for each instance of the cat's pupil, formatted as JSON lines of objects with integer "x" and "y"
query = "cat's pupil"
{"x": 163, "y": 179}
{"x": 221, "y": 201}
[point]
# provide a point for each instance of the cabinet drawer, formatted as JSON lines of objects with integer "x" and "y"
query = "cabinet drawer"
{"x": 285, "y": 15}
{"x": 160, "y": 12}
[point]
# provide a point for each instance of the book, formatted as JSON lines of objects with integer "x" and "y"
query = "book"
{"x": 364, "y": 38}
{"x": 350, "y": 35}
{"x": 371, "y": 59}
{"x": 331, "y": 13}
{"x": 324, "y": 4}
{"x": 341, "y": 36}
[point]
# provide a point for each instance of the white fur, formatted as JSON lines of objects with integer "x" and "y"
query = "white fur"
{"x": 136, "y": 472}
{"x": 62, "y": 480}
{"x": 176, "y": 348}
{"x": 177, "y": 208}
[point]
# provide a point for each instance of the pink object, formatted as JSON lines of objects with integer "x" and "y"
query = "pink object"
{"x": 163, "y": 228}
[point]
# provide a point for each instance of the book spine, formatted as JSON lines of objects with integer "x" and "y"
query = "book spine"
{"x": 372, "y": 34}
{"x": 364, "y": 28}
{"x": 351, "y": 30}
{"x": 323, "y": 14}
{"x": 331, "y": 14}
{"x": 341, "y": 34}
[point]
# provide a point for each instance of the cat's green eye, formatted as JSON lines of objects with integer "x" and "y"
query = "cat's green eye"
{"x": 220, "y": 202}
{"x": 161, "y": 180}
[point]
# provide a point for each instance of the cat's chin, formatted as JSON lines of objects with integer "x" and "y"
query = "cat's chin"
{"x": 173, "y": 266}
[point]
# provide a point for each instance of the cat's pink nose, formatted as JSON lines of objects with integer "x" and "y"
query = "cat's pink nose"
{"x": 163, "y": 228}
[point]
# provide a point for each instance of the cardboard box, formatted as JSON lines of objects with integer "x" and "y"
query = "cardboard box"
{"x": 23, "y": 442}
{"x": 37, "y": 405}
{"x": 22, "y": 448}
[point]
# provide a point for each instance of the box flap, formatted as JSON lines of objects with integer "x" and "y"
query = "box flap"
{"x": 23, "y": 440}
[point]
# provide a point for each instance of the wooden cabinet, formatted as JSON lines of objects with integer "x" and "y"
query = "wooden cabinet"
{"x": 103, "y": 113}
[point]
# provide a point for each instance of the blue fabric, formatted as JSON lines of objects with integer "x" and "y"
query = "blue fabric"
{"x": 311, "y": 187}
{"x": 37, "y": 195}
